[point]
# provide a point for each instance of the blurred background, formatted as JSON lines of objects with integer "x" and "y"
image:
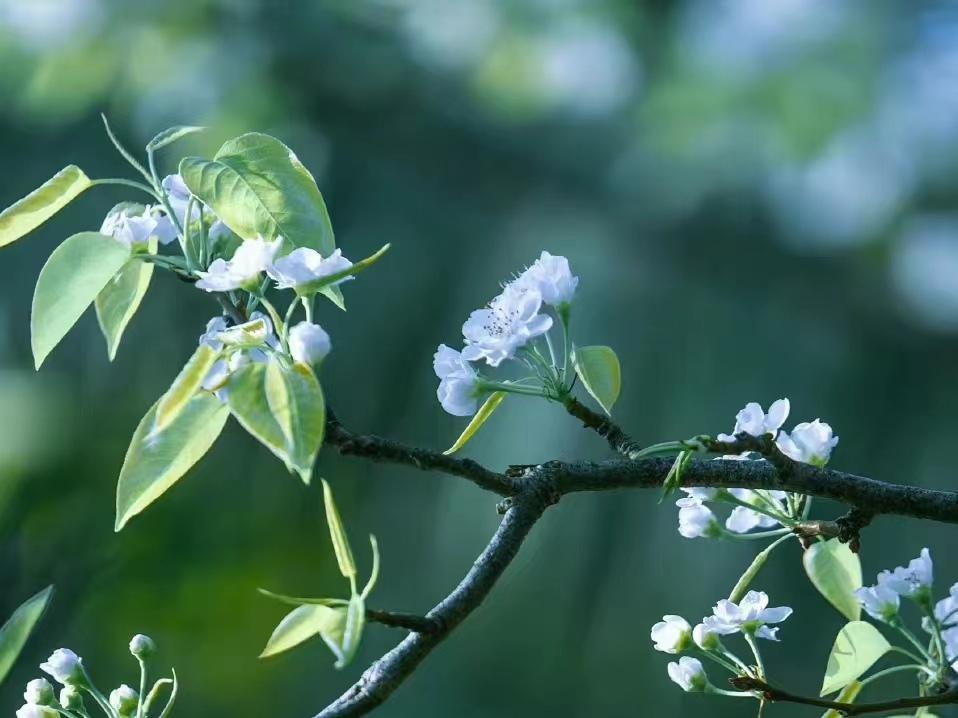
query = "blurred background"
{"x": 760, "y": 198}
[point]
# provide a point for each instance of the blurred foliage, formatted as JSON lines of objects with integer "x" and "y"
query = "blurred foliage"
{"x": 759, "y": 197}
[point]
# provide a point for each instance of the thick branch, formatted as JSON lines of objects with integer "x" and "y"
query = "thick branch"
{"x": 773, "y": 694}
{"x": 409, "y": 621}
{"x": 379, "y": 449}
{"x": 385, "y": 675}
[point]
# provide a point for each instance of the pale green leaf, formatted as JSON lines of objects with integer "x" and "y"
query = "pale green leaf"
{"x": 848, "y": 695}
{"x": 480, "y": 418}
{"x": 857, "y": 647}
{"x": 300, "y": 601}
{"x": 310, "y": 288}
{"x": 257, "y": 186}
{"x": 741, "y": 587}
{"x": 335, "y": 295}
{"x": 374, "y": 573}
{"x": 836, "y": 571}
{"x": 184, "y": 387}
{"x": 171, "y": 135}
{"x": 344, "y": 555}
{"x": 118, "y": 301}
{"x": 155, "y": 461}
{"x": 353, "y": 630}
{"x": 599, "y": 371}
{"x": 75, "y": 273}
{"x": 17, "y": 629}
{"x": 301, "y": 624}
{"x": 25, "y": 215}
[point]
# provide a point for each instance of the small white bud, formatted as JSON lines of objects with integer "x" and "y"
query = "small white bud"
{"x": 32, "y": 710}
{"x": 71, "y": 698}
{"x": 124, "y": 700}
{"x": 308, "y": 343}
{"x": 142, "y": 646}
{"x": 65, "y": 666}
{"x": 39, "y": 692}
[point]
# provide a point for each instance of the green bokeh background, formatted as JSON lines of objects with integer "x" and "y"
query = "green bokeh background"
{"x": 758, "y": 195}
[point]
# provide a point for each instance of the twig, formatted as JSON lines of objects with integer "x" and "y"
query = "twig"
{"x": 620, "y": 442}
{"x": 409, "y": 621}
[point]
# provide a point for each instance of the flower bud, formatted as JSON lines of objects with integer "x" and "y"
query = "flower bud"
{"x": 688, "y": 674}
{"x": 142, "y": 646}
{"x": 65, "y": 666}
{"x": 32, "y": 710}
{"x": 124, "y": 700}
{"x": 308, "y": 343}
{"x": 705, "y": 638}
{"x": 71, "y": 698}
{"x": 671, "y": 634}
{"x": 39, "y": 692}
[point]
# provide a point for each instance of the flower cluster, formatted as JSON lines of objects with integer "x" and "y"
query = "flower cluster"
{"x": 505, "y": 329}
{"x": 808, "y": 443}
{"x": 749, "y": 617}
{"x": 67, "y": 669}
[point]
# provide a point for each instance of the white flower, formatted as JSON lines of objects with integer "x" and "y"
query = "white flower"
{"x": 809, "y": 443}
{"x": 124, "y": 700}
{"x": 911, "y": 581}
{"x": 508, "y": 323}
{"x": 696, "y": 519}
{"x": 742, "y": 519}
{"x": 551, "y": 277}
{"x": 305, "y": 265}
{"x": 704, "y": 637}
{"x": 218, "y": 230}
{"x": 211, "y": 336}
{"x": 458, "y": 382}
{"x": 308, "y": 343}
{"x": 31, "y": 710}
{"x": 64, "y": 665}
{"x": 701, "y": 493}
{"x": 749, "y": 616}
{"x": 179, "y": 195}
{"x": 133, "y": 230}
{"x": 950, "y": 637}
{"x": 217, "y": 330}
{"x": 880, "y": 602}
{"x": 251, "y": 258}
{"x": 946, "y": 610}
{"x": 671, "y": 634}
{"x": 753, "y": 420}
{"x": 142, "y": 646}
{"x": 39, "y": 691}
{"x": 688, "y": 674}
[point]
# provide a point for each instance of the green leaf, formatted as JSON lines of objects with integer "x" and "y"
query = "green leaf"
{"x": 75, "y": 273}
{"x": 374, "y": 573}
{"x": 836, "y": 571}
{"x": 317, "y": 285}
{"x": 283, "y": 409}
{"x": 485, "y": 411}
{"x": 185, "y": 386}
{"x": 857, "y": 647}
{"x": 353, "y": 630}
{"x": 304, "y": 622}
{"x": 118, "y": 301}
{"x": 155, "y": 461}
{"x": 598, "y": 369}
{"x": 257, "y": 186}
{"x": 848, "y": 695}
{"x": 17, "y": 629}
{"x": 25, "y": 215}
{"x": 171, "y": 135}
{"x": 335, "y": 295}
{"x": 300, "y": 601}
{"x": 344, "y": 555}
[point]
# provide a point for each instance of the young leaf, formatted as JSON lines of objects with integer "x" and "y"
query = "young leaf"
{"x": 836, "y": 571}
{"x": 848, "y": 695}
{"x": 598, "y": 369}
{"x": 741, "y": 587}
{"x": 303, "y": 623}
{"x": 257, "y": 186}
{"x": 17, "y": 629}
{"x": 25, "y": 215}
{"x": 310, "y": 288}
{"x": 857, "y": 647}
{"x": 353, "y": 630}
{"x": 335, "y": 295}
{"x": 71, "y": 279}
{"x": 171, "y": 135}
{"x": 155, "y": 461}
{"x": 185, "y": 386}
{"x": 344, "y": 555}
{"x": 485, "y": 411}
{"x": 298, "y": 601}
{"x": 374, "y": 572}
{"x": 118, "y": 301}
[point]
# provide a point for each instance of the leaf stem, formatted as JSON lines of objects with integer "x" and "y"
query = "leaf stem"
{"x": 126, "y": 183}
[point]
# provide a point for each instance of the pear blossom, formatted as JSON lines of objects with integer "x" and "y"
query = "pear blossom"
{"x": 510, "y": 321}
{"x": 134, "y": 229}
{"x": 458, "y": 382}
{"x": 39, "y": 692}
{"x": 749, "y": 616}
{"x": 304, "y": 265}
{"x": 218, "y": 330}
{"x": 251, "y": 258}
{"x": 809, "y": 443}
{"x": 912, "y": 581}
{"x": 32, "y": 710}
{"x": 65, "y": 666}
{"x": 704, "y": 637}
{"x": 880, "y": 601}
{"x": 211, "y": 336}
{"x": 308, "y": 343}
{"x": 950, "y": 638}
{"x": 743, "y": 519}
{"x": 671, "y": 634}
{"x": 946, "y": 610}
{"x": 179, "y": 195}
{"x": 696, "y": 520}
{"x": 142, "y": 646}
{"x": 551, "y": 277}
{"x": 688, "y": 674}
{"x": 753, "y": 420}
{"x": 124, "y": 700}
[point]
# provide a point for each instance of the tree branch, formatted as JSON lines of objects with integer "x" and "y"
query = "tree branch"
{"x": 387, "y": 674}
{"x": 620, "y": 442}
{"x": 773, "y": 694}
{"x": 409, "y": 621}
